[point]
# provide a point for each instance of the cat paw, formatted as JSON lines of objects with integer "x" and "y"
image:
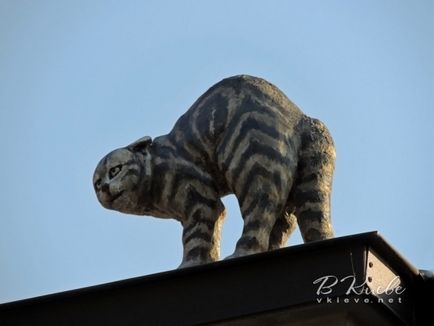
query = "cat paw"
{"x": 236, "y": 254}
{"x": 192, "y": 263}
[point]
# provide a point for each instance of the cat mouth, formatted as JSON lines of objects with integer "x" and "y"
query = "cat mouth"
{"x": 116, "y": 196}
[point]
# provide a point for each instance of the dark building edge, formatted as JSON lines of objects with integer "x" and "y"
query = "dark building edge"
{"x": 422, "y": 284}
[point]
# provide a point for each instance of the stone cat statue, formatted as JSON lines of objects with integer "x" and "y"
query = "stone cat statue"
{"x": 244, "y": 137}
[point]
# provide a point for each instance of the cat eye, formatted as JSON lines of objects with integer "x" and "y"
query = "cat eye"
{"x": 98, "y": 184}
{"x": 114, "y": 171}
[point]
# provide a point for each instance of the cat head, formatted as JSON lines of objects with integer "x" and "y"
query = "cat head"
{"x": 122, "y": 178}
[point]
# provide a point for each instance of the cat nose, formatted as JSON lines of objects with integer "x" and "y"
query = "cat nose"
{"x": 105, "y": 188}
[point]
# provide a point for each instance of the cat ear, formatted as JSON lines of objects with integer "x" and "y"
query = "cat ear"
{"x": 141, "y": 144}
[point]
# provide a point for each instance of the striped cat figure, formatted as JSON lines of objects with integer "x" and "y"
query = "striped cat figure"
{"x": 243, "y": 137}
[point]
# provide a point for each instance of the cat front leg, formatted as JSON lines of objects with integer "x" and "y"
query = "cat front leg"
{"x": 201, "y": 233}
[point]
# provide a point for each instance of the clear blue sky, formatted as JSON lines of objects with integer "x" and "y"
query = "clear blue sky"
{"x": 80, "y": 78}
